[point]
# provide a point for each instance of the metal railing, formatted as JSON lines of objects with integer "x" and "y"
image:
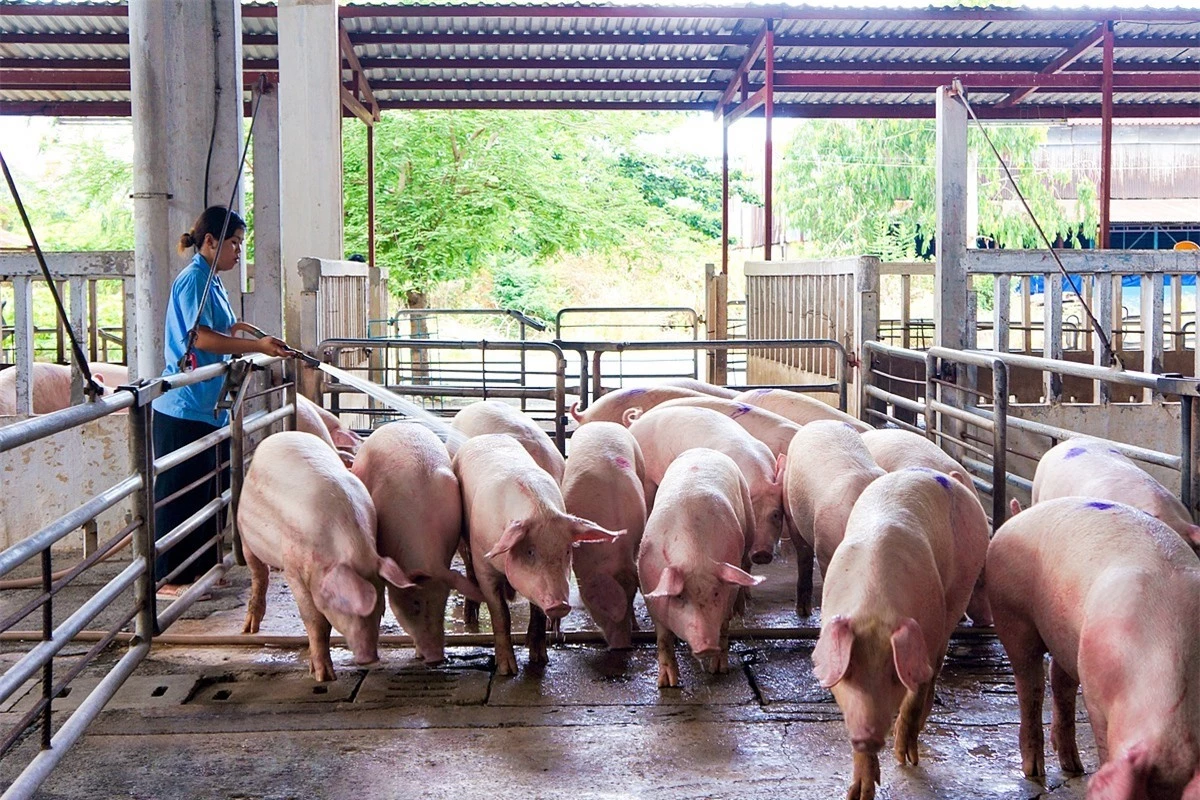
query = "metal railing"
{"x": 138, "y": 577}
{"x": 975, "y": 425}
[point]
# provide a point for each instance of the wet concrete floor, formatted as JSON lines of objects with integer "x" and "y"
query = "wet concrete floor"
{"x": 237, "y": 722}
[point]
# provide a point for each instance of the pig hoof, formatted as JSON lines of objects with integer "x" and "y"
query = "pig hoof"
{"x": 1070, "y": 763}
{"x": 668, "y": 677}
{"x": 322, "y": 673}
{"x": 1035, "y": 768}
{"x": 506, "y": 665}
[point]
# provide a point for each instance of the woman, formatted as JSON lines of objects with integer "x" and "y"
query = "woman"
{"x": 188, "y": 413}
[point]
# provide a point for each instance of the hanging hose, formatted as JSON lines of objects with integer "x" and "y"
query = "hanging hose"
{"x": 90, "y": 386}
{"x": 1114, "y": 360}
{"x": 188, "y": 361}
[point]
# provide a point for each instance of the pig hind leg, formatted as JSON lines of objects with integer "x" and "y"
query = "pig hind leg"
{"x": 866, "y": 775}
{"x": 470, "y": 607}
{"x": 320, "y": 664}
{"x": 1025, "y": 650}
{"x": 506, "y": 659}
{"x": 1062, "y": 726}
{"x": 260, "y": 577}
{"x": 804, "y": 575}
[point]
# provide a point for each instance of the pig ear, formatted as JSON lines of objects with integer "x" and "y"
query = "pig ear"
{"x": 963, "y": 479}
{"x": 583, "y": 530}
{"x": 1192, "y": 790}
{"x": 605, "y": 597}
{"x": 1014, "y": 506}
{"x": 1193, "y": 535}
{"x": 910, "y": 654}
{"x": 1124, "y": 778}
{"x": 346, "y": 438}
{"x": 780, "y": 467}
{"x": 831, "y": 657}
{"x": 728, "y": 573}
{"x": 670, "y": 583}
{"x": 390, "y": 571}
{"x": 345, "y": 591}
{"x": 464, "y": 585}
{"x": 513, "y": 534}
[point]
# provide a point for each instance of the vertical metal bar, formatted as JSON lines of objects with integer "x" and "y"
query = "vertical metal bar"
{"x": 1101, "y": 355}
{"x": 47, "y": 634}
{"x": 1186, "y": 464}
{"x": 93, "y": 319}
{"x": 1106, "y": 116}
{"x": 1027, "y": 312}
{"x": 60, "y": 333}
{"x": 932, "y": 420}
{"x": 237, "y": 474}
{"x": 370, "y": 198}
{"x": 905, "y": 310}
{"x": 1001, "y": 311}
{"x": 999, "y": 443}
{"x": 521, "y": 355}
{"x": 560, "y": 402}
{"x": 583, "y": 380}
{"x": 597, "y": 383}
{"x": 23, "y": 342}
{"x": 141, "y": 452}
{"x": 1052, "y": 314}
{"x": 290, "y": 370}
{"x": 78, "y": 310}
{"x": 769, "y": 115}
{"x": 91, "y": 537}
{"x": 725, "y": 193}
{"x": 1191, "y": 456}
{"x": 1152, "y": 326}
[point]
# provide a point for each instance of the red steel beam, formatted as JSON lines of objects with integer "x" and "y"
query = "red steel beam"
{"x": 885, "y": 81}
{"x": 768, "y": 151}
{"x": 749, "y": 105}
{"x": 1106, "y": 115}
{"x": 362, "y": 99}
{"x": 725, "y": 196}
{"x": 743, "y": 69}
{"x": 548, "y": 86}
{"x": 1059, "y": 64}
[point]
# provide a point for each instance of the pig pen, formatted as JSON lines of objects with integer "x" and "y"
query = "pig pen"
{"x": 215, "y": 713}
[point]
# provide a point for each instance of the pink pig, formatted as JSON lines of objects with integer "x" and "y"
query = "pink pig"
{"x": 1113, "y": 596}
{"x": 407, "y": 470}
{"x": 828, "y": 467}
{"x": 612, "y": 406}
{"x": 667, "y": 433}
{"x": 701, "y": 386}
{"x": 520, "y": 538}
{"x": 496, "y": 416}
{"x": 303, "y": 512}
{"x": 894, "y": 592}
{"x": 687, "y": 564}
{"x": 52, "y": 386}
{"x": 769, "y": 428}
{"x": 895, "y": 450}
{"x": 604, "y": 483}
{"x": 799, "y": 408}
{"x": 1091, "y": 468}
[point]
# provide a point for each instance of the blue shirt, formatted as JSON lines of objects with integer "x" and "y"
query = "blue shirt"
{"x": 198, "y": 401}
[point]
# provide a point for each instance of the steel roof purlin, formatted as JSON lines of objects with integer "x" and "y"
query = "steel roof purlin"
{"x": 72, "y": 58}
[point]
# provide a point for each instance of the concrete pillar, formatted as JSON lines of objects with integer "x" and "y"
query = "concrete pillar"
{"x": 185, "y": 69}
{"x": 310, "y": 140}
{"x": 264, "y": 305}
{"x": 950, "y": 285}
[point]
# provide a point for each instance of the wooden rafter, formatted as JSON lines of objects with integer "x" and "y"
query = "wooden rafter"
{"x": 357, "y": 96}
{"x": 1059, "y": 64}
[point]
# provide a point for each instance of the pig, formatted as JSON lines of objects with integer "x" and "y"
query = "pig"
{"x": 51, "y": 386}
{"x": 667, "y": 433}
{"x": 604, "y": 482}
{"x": 895, "y": 589}
{"x": 771, "y": 429}
{"x": 1092, "y": 468}
{"x": 799, "y": 408}
{"x": 828, "y": 467}
{"x": 520, "y": 538}
{"x": 303, "y": 512}
{"x": 701, "y": 386}
{"x": 612, "y": 406}
{"x": 496, "y": 416}
{"x": 418, "y": 509}
{"x": 895, "y": 449}
{"x": 687, "y": 562}
{"x": 1113, "y": 595}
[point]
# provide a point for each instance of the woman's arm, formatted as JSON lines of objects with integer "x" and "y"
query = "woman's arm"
{"x": 210, "y": 341}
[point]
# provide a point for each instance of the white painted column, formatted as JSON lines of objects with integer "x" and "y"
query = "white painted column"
{"x": 264, "y": 305}
{"x": 152, "y": 245}
{"x": 310, "y": 142}
{"x": 950, "y": 285}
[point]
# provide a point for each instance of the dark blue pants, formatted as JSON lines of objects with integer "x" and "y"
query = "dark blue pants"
{"x": 172, "y": 433}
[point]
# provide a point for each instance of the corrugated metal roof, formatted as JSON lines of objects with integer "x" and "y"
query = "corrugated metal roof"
{"x": 52, "y": 56}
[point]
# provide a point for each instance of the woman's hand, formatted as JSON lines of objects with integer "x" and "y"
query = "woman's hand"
{"x": 274, "y": 346}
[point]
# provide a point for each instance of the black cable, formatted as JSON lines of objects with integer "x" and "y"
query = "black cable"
{"x": 91, "y": 386}
{"x": 1114, "y": 360}
{"x": 212, "y": 270}
{"x": 212, "y": 137}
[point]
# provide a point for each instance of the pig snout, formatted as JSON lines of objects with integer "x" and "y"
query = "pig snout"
{"x": 869, "y": 741}
{"x": 557, "y": 610}
{"x": 761, "y": 555}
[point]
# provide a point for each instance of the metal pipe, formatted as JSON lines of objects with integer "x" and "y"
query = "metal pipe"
{"x": 237, "y": 472}
{"x": 1106, "y": 114}
{"x": 24, "y": 669}
{"x": 999, "y": 443}
{"x": 206, "y": 512}
{"x": 768, "y": 152}
{"x": 197, "y": 590}
{"x": 177, "y": 457}
{"x": 25, "y": 549}
{"x": 43, "y": 764}
{"x": 39, "y": 427}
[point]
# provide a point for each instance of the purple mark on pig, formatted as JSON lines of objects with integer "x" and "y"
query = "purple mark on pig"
{"x": 634, "y": 392}
{"x": 761, "y": 392}
{"x": 1100, "y": 506}
{"x": 741, "y": 409}
{"x": 1075, "y": 451}
{"x": 622, "y": 462}
{"x": 944, "y": 481}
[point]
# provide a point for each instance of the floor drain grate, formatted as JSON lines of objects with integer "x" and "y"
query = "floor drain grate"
{"x": 424, "y": 687}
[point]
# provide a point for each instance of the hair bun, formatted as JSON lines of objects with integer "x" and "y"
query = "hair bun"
{"x": 187, "y": 240}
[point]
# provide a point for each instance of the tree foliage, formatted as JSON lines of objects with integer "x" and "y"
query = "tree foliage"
{"x": 868, "y": 187}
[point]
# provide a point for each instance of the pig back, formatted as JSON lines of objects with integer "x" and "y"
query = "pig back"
{"x": 701, "y": 512}
{"x": 799, "y": 408}
{"x": 774, "y": 431}
{"x": 495, "y": 416}
{"x": 666, "y": 434}
{"x": 299, "y": 503}
{"x": 603, "y": 478}
{"x": 611, "y": 407}
{"x": 407, "y": 470}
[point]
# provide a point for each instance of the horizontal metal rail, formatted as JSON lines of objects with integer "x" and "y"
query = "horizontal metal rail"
{"x": 693, "y": 319}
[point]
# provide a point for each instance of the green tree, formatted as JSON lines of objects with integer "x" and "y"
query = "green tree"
{"x": 868, "y": 187}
